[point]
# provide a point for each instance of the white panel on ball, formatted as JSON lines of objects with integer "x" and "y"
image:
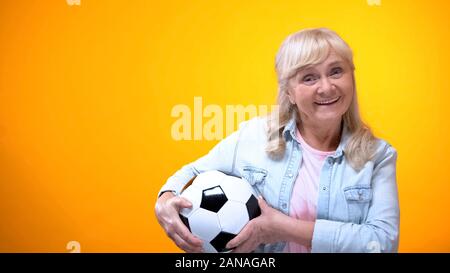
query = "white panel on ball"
{"x": 233, "y": 216}
{"x": 208, "y": 179}
{"x": 205, "y": 224}
{"x": 236, "y": 189}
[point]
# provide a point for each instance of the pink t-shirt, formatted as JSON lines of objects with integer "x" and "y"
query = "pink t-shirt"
{"x": 305, "y": 192}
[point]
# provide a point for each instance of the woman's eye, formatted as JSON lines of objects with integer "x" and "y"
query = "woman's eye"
{"x": 337, "y": 71}
{"x": 309, "y": 79}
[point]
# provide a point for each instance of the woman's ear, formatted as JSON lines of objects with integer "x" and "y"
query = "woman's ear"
{"x": 290, "y": 96}
{"x": 290, "y": 92}
{"x": 291, "y": 100}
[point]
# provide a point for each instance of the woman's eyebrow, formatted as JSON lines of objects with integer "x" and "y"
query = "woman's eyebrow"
{"x": 334, "y": 63}
{"x": 307, "y": 68}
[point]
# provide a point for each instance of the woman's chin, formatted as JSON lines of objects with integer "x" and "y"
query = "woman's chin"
{"x": 329, "y": 117}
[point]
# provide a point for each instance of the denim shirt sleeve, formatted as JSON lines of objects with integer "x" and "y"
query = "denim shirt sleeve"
{"x": 380, "y": 231}
{"x": 221, "y": 158}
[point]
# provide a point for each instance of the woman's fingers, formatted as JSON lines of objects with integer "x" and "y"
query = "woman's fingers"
{"x": 181, "y": 202}
{"x": 175, "y": 228}
{"x": 186, "y": 235}
{"x": 180, "y": 228}
{"x": 245, "y": 246}
{"x": 236, "y": 241}
{"x": 262, "y": 203}
{"x": 241, "y": 237}
{"x": 185, "y": 245}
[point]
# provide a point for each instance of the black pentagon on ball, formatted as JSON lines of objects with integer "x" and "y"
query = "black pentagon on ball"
{"x": 213, "y": 199}
{"x": 185, "y": 221}
{"x": 253, "y": 207}
{"x": 221, "y": 240}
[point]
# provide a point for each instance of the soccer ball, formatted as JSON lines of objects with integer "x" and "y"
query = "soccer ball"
{"x": 221, "y": 206}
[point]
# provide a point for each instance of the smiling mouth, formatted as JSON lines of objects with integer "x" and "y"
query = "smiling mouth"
{"x": 327, "y": 102}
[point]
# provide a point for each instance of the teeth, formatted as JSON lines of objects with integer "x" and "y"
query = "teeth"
{"x": 328, "y": 101}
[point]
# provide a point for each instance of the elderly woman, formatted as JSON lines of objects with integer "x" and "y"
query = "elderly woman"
{"x": 327, "y": 184}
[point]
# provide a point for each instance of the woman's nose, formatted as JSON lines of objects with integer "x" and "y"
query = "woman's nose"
{"x": 325, "y": 85}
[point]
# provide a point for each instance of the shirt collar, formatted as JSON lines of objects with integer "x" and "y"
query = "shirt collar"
{"x": 291, "y": 128}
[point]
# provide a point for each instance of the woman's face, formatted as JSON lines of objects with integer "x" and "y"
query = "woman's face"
{"x": 323, "y": 92}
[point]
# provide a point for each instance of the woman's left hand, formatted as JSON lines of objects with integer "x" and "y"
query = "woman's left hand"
{"x": 263, "y": 229}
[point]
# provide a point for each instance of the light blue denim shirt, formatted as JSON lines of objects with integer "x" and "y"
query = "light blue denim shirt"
{"x": 357, "y": 211}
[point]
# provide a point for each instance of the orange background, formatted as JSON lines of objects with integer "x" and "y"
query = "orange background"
{"x": 86, "y": 94}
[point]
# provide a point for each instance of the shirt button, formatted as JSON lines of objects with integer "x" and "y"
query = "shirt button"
{"x": 324, "y": 188}
{"x": 284, "y": 205}
{"x": 290, "y": 175}
{"x": 330, "y": 161}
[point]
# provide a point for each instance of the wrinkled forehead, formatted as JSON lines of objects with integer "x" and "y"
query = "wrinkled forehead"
{"x": 330, "y": 59}
{"x": 311, "y": 53}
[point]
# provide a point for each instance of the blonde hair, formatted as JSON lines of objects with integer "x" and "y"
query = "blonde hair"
{"x": 310, "y": 47}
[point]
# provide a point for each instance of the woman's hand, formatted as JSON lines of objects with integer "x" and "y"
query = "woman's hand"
{"x": 167, "y": 211}
{"x": 263, "y": 229}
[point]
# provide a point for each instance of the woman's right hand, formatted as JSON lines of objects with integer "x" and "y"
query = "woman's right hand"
{"x": 167, "y": 211}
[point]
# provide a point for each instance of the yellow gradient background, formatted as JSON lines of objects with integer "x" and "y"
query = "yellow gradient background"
{"x": 86, "y": 94}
